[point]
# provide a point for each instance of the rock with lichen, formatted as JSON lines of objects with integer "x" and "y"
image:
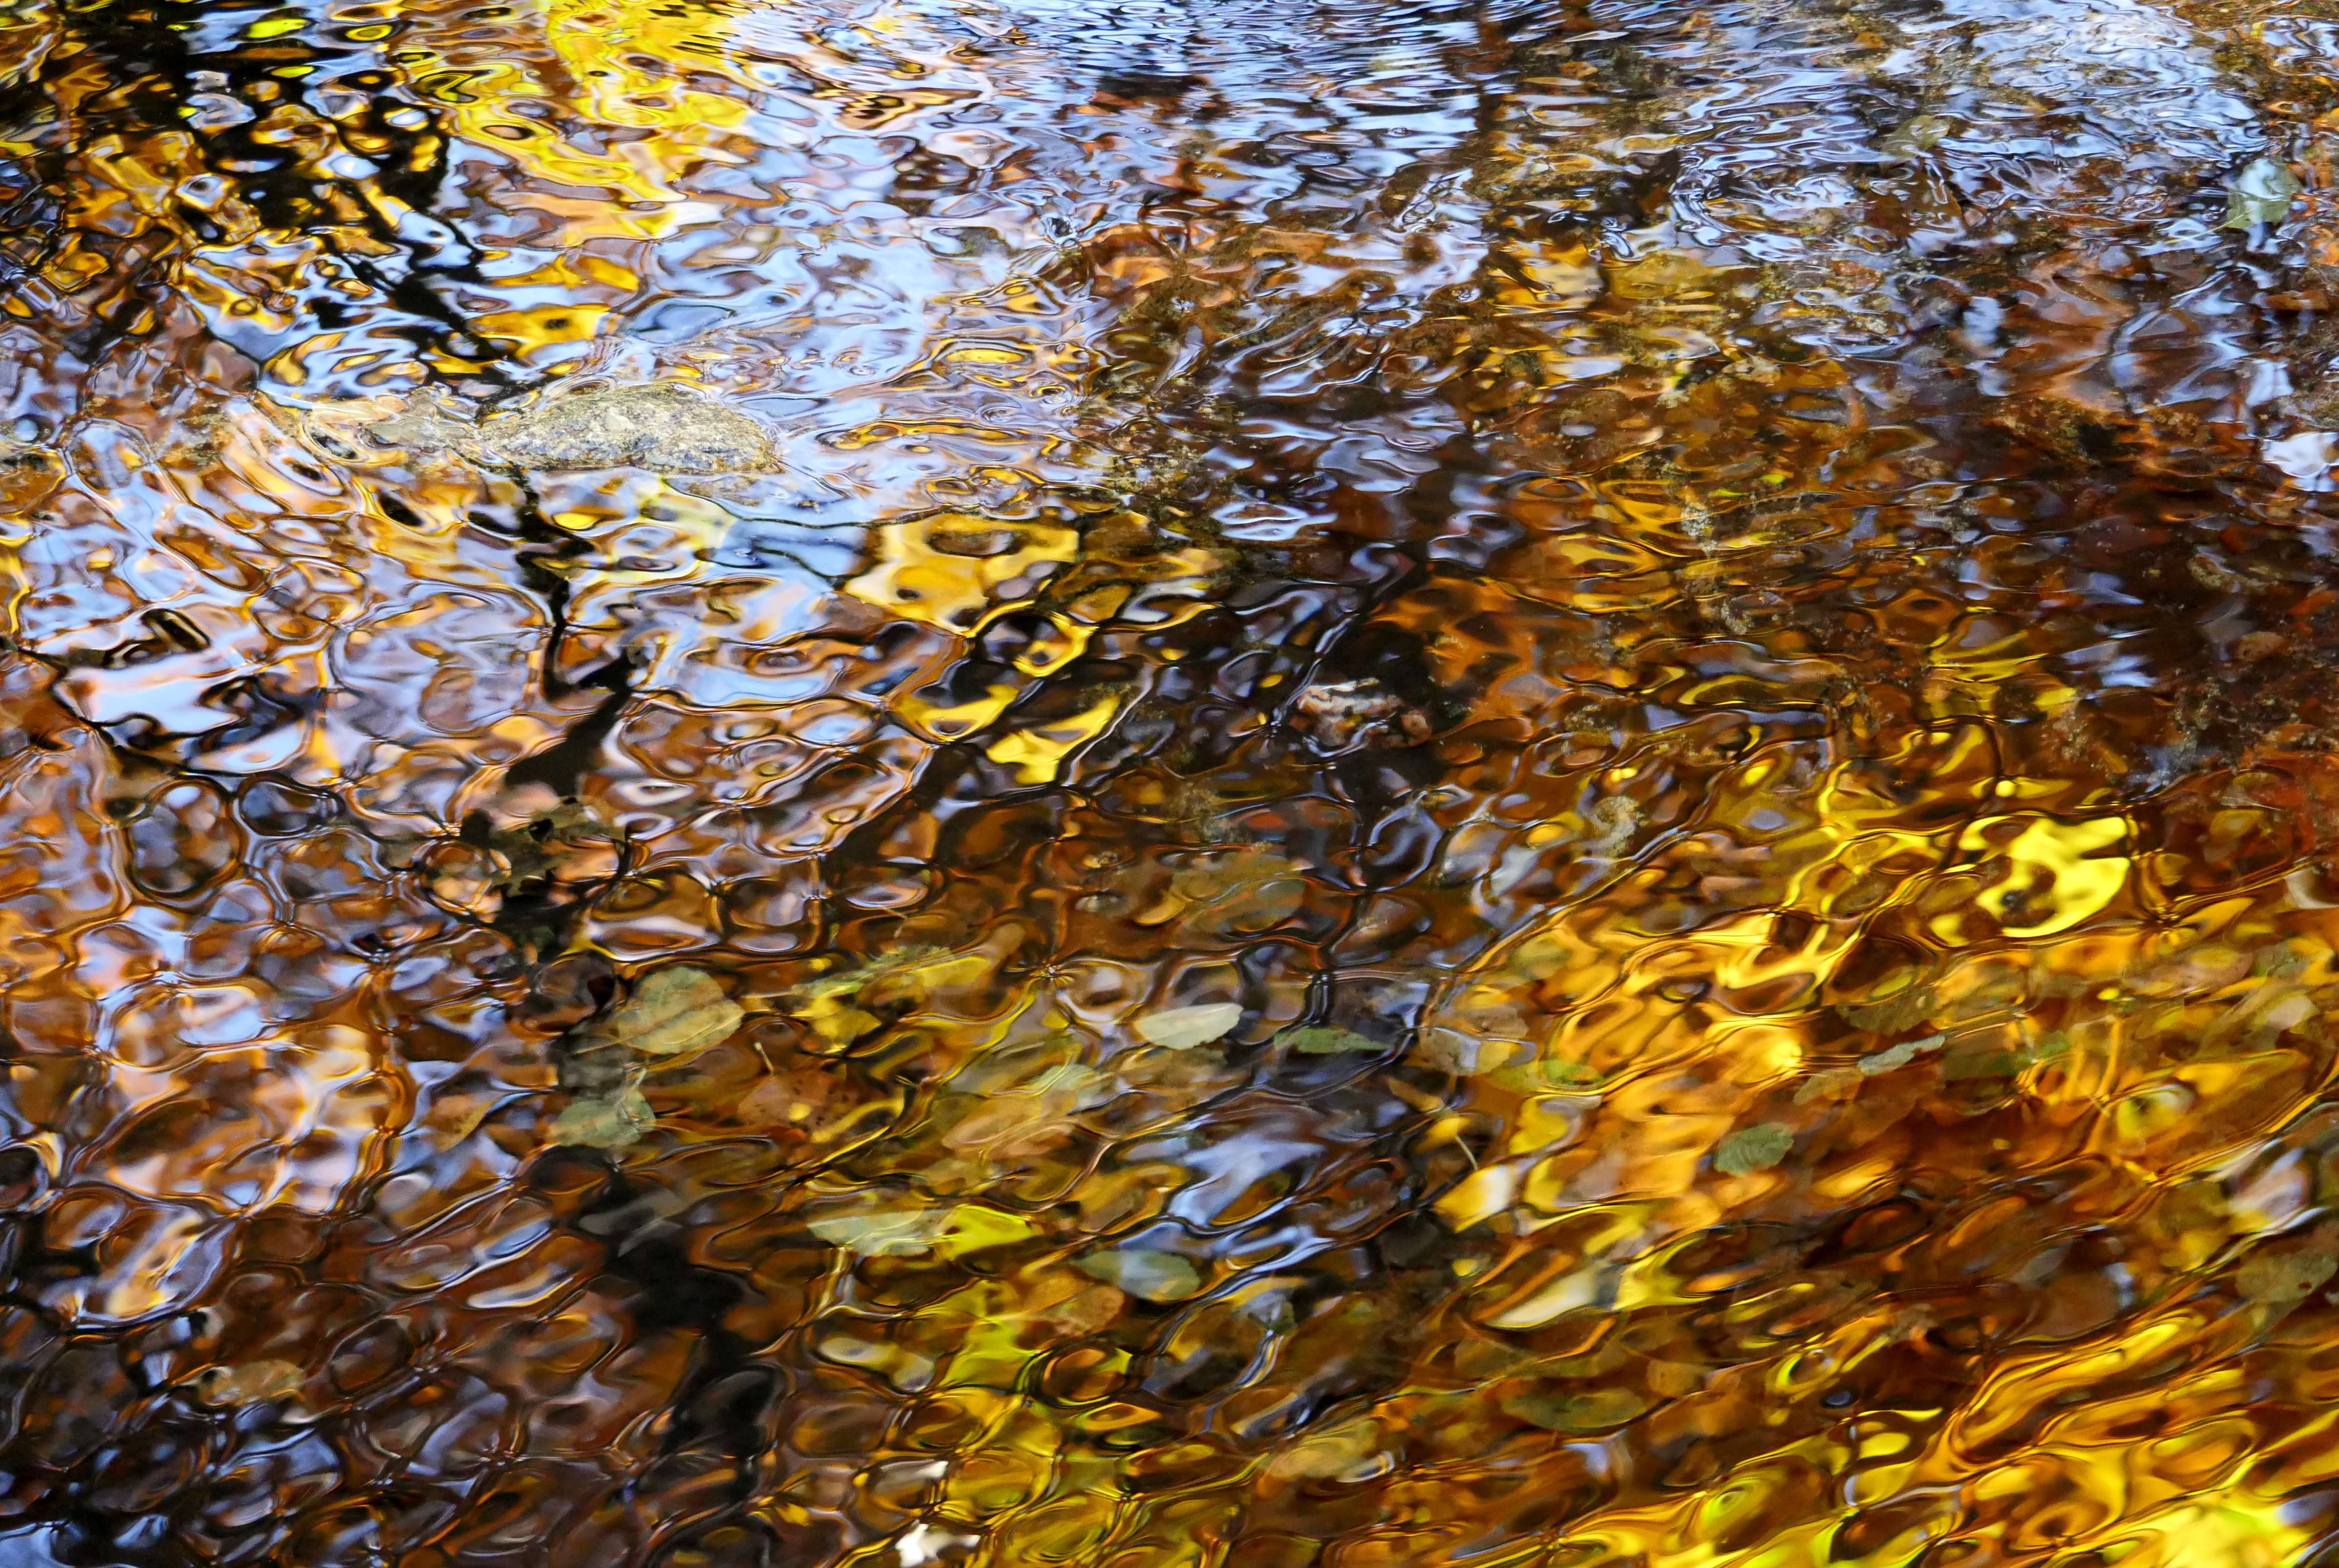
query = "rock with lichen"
{"x": 668, "y": 427}
{"x": 1345, "y": 715}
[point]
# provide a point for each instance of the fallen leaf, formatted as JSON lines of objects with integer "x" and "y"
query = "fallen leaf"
{"x": 896, "y": 1232}
{"x": 837, "y": 1020}
{"x": 455, "y": 1116}
{"x": 1344, "y": 1451}
{"x": 1895, "y": 1013}
{"x": 1483, "y": 1360}
{"x": 1753, "y": 1148}
{"x": 904, "y": 1369}
{"x": 1153, "y": 1276}
{"x": 1829, "y": 1084}
{"x": 611, "y": 1123}
{"x": 1088, "y": 1309}
{"x": 829, "y": 1003}
{"x": 973, "y": 1226}
{"x": 940, "y": 970}
{"x": 1028, "y": 1119}
{"x": 1183, "y": 1028}
{"x": 2261, "y": 194}
{"x": 564, "y": 841}
{"x": 1898, "y": 1056}
{"x": 1658, "y": 275}
{"x": 250, "y": 1383}
{"x": 1071, "y": 1084}
{"x": 1460, "y": 1052}
{"x": 1983, "y": 1060}
{"x": 1674, "y": 1379}
{"x": 845, "y": 982}
{"x": 2279, "y": 1280}
{"x": 1231, "y": 893}
{"x": 2203, "y": 969}
{"x": 908, "y": 974}
{"x": 785, "y": 1100}
{"x": 673, "y": 1010}
{"x": 1327, "y": 1041}
{"x": 1922, "y": 134}
{"x": 1245, "y": 895}
{"x": 1593, "y": 1412}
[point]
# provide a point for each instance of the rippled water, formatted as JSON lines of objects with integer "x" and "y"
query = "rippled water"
{"x": 1203, "y": 783}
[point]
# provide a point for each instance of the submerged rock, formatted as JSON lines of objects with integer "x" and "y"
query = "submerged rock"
{"x": 1345, "y": 715}
{"x": 670, "y": 426}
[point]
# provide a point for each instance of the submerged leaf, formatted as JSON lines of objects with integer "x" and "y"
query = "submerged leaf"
{"x": 1920, "y": 133}
{"x": 846, "y": 982}
{"x": 1466, "y": 1052}
{"x": 1231, "y": 893}
{"x": 673, "y": 1010}
{"x": 1832, "y": 1083}
{"x": 884, "y": 1232}
{"x": 2201, "y": 970}
{"x": 939, "y": 970}
{"x": 1898, "y": 1056}
{"x": 1753, "y": 1148}
{"x": 833, "y": 1004}
{"x": 1324, "y": 1040}
{"x": 902, "y": 1367}
{"x": 2261, "y": 194}
{"x": 1593, "y": 1412}
{"x": 906, "y": 974}
{"x": 612, "y": 1123}
{"x": 1346, "y": 1451}
{"x": 1183, "y": 1028}
{"x": 1154, "y": 1276}
{"x": 2279, "y": 1280}
{"x": 837, "y": 1020}
{"x": 1896, "y": 1012}
{"x": 548, "y": 840}
{"x": 1078, "y": 1307}
{"x": 249, "y": 1384}
{"x": 1885, "y": 1060}
{"x": 794, "y": 1099}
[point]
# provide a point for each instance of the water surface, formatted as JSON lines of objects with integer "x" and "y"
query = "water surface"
{"x": 1322, "y": 783}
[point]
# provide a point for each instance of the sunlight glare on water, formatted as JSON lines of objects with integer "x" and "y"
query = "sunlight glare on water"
{"x": 1200, "y": 784}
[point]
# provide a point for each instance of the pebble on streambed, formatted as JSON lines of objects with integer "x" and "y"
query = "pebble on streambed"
{"x": 668, "y": 427}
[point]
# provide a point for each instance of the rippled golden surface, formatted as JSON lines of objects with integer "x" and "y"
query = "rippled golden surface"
{"x": 1327, "y": 783}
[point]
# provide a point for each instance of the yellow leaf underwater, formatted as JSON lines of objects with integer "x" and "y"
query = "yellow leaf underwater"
{"x": 673, "y": 1010}
{"x": 616, "y": 1122}
{"x": 1184, "y": 1028}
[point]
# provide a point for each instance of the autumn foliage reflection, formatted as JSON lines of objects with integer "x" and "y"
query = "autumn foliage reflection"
{"x": 904, "y": 782}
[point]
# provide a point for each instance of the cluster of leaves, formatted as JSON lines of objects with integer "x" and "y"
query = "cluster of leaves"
{"x": 672, "y": 1015}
